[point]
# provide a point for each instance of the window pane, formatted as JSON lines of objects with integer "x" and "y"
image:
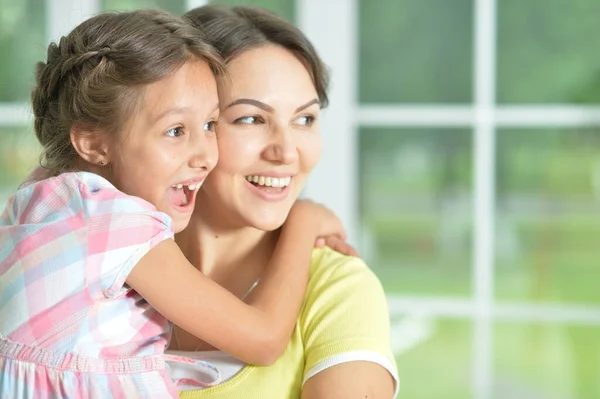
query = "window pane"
{"x": 19, "y": 154}
{"x": 415, "y": 51}
{"x": 415, "y": 203}
{"x": 548, "y": 51}
{"x": 174, "y": 6}
{"x": 285, "y": 8}
{"x": 438, "y": 362}
{"x": 22, "y": 44}
{"x": 546, "y": 361}
{"x": 547, "y": 215}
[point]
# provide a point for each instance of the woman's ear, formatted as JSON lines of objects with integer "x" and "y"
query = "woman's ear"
{"x": 91, "y": 145}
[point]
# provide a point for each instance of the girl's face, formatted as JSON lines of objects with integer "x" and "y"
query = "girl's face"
{"x": 168, "y": 146}
{"x": 269, "y": 138}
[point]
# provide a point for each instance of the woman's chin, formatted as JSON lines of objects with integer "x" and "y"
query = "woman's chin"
{"x": 270, "y": 225}
{"x": 267, "y": 223}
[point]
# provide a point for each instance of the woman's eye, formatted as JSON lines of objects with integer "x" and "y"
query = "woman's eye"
{"x": 305, "y": 120}
{"x": 175, "y": 132}
{"x": 247, "y": 120}
{"x": 210, "y": 126}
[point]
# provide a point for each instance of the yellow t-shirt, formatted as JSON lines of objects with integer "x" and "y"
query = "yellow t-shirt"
{"x": 344, "y": 318}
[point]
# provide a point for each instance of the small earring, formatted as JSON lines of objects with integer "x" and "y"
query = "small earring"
{"x": 102, "y": 163}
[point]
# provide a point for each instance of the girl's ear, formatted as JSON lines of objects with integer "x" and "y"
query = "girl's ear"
{"x": 91, "y": 145}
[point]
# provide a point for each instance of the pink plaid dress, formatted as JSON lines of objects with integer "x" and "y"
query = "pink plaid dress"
{"x": 69, "y": 327}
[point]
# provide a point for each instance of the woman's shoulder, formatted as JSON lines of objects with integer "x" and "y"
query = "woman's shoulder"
{"x": 335, "y": 277}
{"x": 330, "y": 265}
{"x": 345, "y": 311}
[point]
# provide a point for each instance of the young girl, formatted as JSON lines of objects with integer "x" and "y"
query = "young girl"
{"x": 125, "y": 108}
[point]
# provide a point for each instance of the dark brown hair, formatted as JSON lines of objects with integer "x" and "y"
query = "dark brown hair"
{"x": 95, "y": 75}
{"x": 232, "y": 30}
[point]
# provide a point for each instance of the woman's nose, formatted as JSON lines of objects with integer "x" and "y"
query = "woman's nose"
{"x": 283, "y": 148}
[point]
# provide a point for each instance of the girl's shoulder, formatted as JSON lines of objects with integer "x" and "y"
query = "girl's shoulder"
{"x": 70, "y": 193}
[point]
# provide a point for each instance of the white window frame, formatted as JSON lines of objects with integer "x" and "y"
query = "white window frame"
{"x": 332, "y": 26}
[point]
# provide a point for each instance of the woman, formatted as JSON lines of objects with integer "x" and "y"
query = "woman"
{"x": 269, "y": 141}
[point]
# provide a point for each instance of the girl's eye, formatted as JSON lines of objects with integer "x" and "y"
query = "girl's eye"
{"x": 175, "y": 132}
{"x": 247, "y": 120}
{"x": 210, "y": 126}
{"x": 305, "y": 120}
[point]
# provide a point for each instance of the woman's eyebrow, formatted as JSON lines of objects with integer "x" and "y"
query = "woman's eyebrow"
{"x": 266, "y": 107}
{"x": 308, "y": 104}
{"x": 250, "y": 101}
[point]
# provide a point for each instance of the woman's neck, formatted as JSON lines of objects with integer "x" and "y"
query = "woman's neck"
{"x": 232, "y": 257}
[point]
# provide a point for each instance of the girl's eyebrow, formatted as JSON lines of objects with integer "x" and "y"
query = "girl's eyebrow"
{"x": 171, "y": 111}
{"x": 178, "y": 111}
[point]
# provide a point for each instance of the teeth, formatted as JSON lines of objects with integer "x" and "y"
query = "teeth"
{"x": 190, "y": 187}
{"x": 270, "y": 181}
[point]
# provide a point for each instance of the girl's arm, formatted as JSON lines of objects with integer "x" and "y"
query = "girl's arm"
{"x": 256, "y": 332}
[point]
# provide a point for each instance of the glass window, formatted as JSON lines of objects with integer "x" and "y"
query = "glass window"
{"x": 415, "y": 51}
{"x": 546, "y": 361}
{"x": 547, "y": 215}
{"x": 415, "y": 205}
{"x": 22, "y": 44}
{"x": 285, "y": 8}
{"x": 548, "y": 51}
{"x": 438, "y": 363}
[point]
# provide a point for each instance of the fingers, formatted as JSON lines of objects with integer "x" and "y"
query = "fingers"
{"x": 320, "y": 242}
{"x": 336, "y": 227}
{"x": 328, "y": 222}
{"x": 343, "y": 235}
{"x": 339, "y": 245}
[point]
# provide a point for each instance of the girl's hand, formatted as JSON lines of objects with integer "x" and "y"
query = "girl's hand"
{"x": 337, "y": 244}
{"x": 326, "y": 223}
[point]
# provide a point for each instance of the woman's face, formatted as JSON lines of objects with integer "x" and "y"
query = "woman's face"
{"x": 268, "y": 137}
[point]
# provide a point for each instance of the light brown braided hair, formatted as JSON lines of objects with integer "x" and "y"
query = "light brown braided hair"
{"x": 96, "y": 74}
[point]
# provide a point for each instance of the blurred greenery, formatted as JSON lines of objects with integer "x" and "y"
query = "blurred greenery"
{"x": 415, "y": 51}
{"x": 22, "y": 26}
{"x": 548, "y": 51}
{"x": 415, "y": 184}
{"x": 174, "y": 6}
{"x": 531, "y": 361}
{"x": 416, "y": 207}
{"x": 19, "y": 152}
{"x": 546, "y": 361}
{"x": 285, "y": 8}
{"x": 444, "y": 358}
{"x": 548, "y": 199}
{"x": 421, "y": 51}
